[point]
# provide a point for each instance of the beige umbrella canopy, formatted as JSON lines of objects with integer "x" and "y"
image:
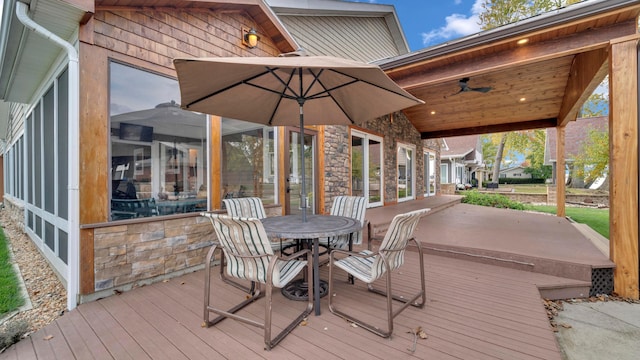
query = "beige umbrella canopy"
{"x": 290, "y": 90}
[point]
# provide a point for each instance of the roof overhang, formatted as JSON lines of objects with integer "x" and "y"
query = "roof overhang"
{"x": 538, "y": 85}
{"x": 26, "y": 57}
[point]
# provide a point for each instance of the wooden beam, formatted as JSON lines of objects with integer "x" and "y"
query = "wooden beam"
{"x": 587, "y": 72}
{"x": 432, "y": 72}
{"x": 623, "y": 166}
{"x": 560, "y": 180}
{"x": 215, "y": 172}
{"x": 524, "y": 125}
{"x": 94, "y": 135}
{"x": 87, "y": 262}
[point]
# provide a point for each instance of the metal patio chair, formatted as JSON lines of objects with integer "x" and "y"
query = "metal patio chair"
{"x": 370, "y": 266}
{"x": 350, "y": 206}
{"x": 251, "y": 207}
{"x": 247, "y": 249}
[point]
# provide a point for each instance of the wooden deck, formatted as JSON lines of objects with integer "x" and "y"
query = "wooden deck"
{"x": 474, "y": 311}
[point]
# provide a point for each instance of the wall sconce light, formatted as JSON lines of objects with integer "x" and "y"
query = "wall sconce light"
{"x": 250, "y": 38}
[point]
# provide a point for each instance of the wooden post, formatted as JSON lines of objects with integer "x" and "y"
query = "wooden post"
{"x": 560, "y": 180}
{"x": 623, "y": 165}
{"x": 215, "y": 172}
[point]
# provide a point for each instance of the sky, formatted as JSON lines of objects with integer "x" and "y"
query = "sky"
{"x": 427, "y": 23}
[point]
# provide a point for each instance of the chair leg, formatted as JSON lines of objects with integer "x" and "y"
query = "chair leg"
{"x": 391, "y": 314}
{"x": 251, "y": 289}
{"x": 270, "y": 343}
{"x": 420, "y": 295}
{"x": 207, "y": 293}
{"x": 374, "y": 329}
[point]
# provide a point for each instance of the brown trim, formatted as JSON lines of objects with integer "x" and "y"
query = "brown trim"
{"x": 487, "y": 129}
{"x": 282, "y": 176}
{"x": 623, "y": 162}
{"x": 320, "y": 168}
{"x": 87, "y": 271}
{"x": 560, "y": 163}
{"x": 215, "y": 163}
{"x": 94, "y": 134}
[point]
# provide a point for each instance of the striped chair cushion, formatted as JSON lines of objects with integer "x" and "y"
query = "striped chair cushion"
{"x": 248, "y": 207}
{"x": 392, "y": 248}
{"x": 248, "y": 250}
{"x": 349, "y": 206}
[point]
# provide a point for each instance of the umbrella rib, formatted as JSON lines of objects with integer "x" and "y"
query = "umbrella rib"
{"x": 372, "y": 84}
{"x": 245, "y": 81}
{"x": 282, "y": 93}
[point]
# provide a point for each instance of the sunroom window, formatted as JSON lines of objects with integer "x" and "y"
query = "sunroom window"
{"x": 158, "y": 162}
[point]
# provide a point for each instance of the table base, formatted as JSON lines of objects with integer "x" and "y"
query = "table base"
{"x": 299, "y": 290}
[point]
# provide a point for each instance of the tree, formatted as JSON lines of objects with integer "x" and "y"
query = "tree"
{"x": 598, "y": 102}
{"x": 593, "y": 160}
{"x": 503, "y": 146}
{"x": 502, "y": 12}
{"x": 497, "y": 13}
{"x": 537, "y": 168}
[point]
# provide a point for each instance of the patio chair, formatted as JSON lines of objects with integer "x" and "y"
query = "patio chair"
{"x": 349, "y": 206}
{"x": 251, "y": 207}
{"x": 245, "y": 245}
{"x": 370, "y": 266}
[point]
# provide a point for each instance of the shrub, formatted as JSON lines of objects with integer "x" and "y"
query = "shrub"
{"x": 492, "y": 200}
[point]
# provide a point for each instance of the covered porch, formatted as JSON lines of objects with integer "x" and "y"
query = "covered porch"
{"x": 474, "y": 310}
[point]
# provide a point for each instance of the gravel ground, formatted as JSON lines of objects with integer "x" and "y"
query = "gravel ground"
{"x": 47, "y": 294}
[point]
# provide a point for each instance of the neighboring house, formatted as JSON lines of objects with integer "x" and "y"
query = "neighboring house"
{"x": 515, "y": 172}
{"x": 576, "y": 133}
{"x": 107, "y": 174}
{"x": 461, "y": 160}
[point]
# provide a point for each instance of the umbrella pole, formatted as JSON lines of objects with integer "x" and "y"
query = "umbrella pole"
{"x": 303, "y": 190}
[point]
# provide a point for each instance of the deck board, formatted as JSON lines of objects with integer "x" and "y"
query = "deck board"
{"x": 473, "y": 311}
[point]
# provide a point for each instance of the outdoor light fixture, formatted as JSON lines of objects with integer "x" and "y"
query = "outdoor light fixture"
{"x": 522, "y": 41}
{"x": 250, "y": 38}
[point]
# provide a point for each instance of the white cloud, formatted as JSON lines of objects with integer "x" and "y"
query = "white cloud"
{"x": 458, "y": 25}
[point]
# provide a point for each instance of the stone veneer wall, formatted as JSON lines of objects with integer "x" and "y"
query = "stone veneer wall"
{"x": 125, "y": 254}
{"x": 133, "y": 254}
{"x": 337, "y": 157}
{"x": 337, "y": 169}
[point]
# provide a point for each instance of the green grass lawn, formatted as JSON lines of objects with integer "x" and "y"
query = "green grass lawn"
{"x": 597, "y": 219}
{"x": 10, "y": 298}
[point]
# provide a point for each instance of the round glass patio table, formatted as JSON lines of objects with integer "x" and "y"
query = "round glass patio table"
{"x": 316, "y": 227}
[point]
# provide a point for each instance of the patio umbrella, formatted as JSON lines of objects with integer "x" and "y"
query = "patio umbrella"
{"x": 322, "y": 90}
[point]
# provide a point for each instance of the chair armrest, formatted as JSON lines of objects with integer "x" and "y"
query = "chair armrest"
{"x": 295, "y": 255}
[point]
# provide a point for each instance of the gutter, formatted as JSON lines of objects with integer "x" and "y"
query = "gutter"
{"x": 539, "y": 22}
{"x": 73, "y": 190}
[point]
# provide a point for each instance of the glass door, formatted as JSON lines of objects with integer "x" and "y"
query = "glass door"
{"x": 366, "y": 167}
{"x": 406, "y": 169}
{"x": 294, "y": 180}
{"x": 429, "y": 174}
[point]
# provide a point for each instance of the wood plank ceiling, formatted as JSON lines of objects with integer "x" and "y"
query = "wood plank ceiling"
{"x": 539, "y": 84}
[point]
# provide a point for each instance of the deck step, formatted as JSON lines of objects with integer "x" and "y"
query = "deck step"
{"x": 599, "y": 241}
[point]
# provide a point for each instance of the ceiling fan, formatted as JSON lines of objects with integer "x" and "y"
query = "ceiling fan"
{"x": 464, "y": 87}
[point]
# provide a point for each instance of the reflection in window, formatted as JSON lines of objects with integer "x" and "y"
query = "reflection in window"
{"x": 248, "y": 161}
{"x": 158, "y": 151}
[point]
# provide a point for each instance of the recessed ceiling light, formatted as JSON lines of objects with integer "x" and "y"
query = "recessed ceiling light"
{"x": 522, "y": 41}
{"x": 523, "y": 99}
{"x": 433, "y": 112}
